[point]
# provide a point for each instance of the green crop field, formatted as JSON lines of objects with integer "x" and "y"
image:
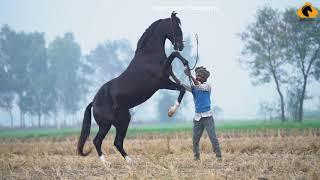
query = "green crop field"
{"x": 162, "y": 128}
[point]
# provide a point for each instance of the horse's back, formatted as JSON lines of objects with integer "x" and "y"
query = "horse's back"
{"x": 141, "y": 79}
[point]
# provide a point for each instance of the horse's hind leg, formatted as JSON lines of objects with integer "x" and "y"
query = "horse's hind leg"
{"x": 97, "y": 141}
{"x": 121, "y": 125}
{"x": 104, "y": 127}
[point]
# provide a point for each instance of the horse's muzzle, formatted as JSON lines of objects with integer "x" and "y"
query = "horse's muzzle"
{"x": 178, "y": 46}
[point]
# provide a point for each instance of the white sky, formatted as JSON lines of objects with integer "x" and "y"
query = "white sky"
{"x": 216, "y": 22}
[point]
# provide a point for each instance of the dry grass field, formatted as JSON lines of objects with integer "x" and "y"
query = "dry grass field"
{"x": 164, "y": 156}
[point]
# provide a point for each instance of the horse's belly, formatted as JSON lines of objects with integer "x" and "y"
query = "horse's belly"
{"x": 132, "y": 89}
{"x": 135, "y": 99}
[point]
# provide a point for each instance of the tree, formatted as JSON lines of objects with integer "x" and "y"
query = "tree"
{"x": 302, "y": 51}
{"x": 18, "y": 49}
{"x": 263, "y": 43}
{"x": 268, "y": 110}
{"x": 6, "y": 103}
{"x": 293, "y": 96}
{"x": 64, "y": 63}
{"x": 43, "y": 97}
{"x": 110, "y": 59}
{"x": 6, "y": 89}
{"x": 38, "y": 91}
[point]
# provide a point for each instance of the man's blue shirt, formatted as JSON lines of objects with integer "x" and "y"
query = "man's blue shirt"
{"x": 201, "y": 96}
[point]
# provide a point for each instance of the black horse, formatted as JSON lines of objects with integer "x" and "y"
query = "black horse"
{"x": 148, "y": 72}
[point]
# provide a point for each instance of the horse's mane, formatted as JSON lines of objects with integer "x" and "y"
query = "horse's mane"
{"x": 147, "y": 34}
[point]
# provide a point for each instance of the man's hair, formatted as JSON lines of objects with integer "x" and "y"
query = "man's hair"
{"x": 203, "y": 71}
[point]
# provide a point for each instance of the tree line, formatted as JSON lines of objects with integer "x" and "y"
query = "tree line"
{"x": 40, "y": 80}
{"x": 285, "y": 50}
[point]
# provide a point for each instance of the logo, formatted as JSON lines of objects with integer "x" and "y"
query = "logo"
{"x": 307, "y": 11}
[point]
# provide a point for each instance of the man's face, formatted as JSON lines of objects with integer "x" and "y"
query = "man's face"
{"x": 200, "y": 78}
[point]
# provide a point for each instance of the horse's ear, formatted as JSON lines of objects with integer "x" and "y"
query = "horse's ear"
{"x": 173, "y": 14}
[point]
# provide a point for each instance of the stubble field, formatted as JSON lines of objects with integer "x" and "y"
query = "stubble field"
{"x": 164, "y": 156}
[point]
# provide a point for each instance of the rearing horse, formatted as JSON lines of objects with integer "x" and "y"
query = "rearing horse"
{"x": 148, "y": 72}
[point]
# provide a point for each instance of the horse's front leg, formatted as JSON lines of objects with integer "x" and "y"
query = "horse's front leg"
{"x": 176, "y": 54}
{"x": 173, "y": 86}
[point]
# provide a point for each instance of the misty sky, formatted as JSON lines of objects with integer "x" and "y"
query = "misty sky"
{"x": 216, "y": 22}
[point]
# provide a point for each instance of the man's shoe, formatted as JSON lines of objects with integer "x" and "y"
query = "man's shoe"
{"x": 196, "y": 158}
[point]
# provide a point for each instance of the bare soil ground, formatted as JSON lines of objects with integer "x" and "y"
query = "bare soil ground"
{"x": 166, "y": 156}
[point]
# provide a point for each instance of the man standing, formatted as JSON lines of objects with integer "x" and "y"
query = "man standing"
{"x": 201, "y": 92}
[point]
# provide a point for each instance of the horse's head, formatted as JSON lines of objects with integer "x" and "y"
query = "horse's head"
{"x": 305, "y": 10}
{"x": 173, "y": 31}
{"x": 168, "y": 28}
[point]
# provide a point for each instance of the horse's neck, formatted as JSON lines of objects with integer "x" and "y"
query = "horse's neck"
{"x": 154, "y": 45}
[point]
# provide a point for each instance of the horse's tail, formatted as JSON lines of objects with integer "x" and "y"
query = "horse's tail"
{"x": 85, "y": 131}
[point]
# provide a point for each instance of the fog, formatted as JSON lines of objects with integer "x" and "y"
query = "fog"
{"x": 216, "y": 22}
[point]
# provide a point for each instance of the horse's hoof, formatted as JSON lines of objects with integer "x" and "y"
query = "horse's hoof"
{"x": 106, "y": 163}
{"x": 171, "y": 111}
{"x": 170, "y": 114}
{"x": 128, "y": 159}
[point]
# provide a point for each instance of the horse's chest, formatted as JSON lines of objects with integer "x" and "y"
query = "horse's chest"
{"x": 135, "y": 88}
{"x": 158, "y": 74}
